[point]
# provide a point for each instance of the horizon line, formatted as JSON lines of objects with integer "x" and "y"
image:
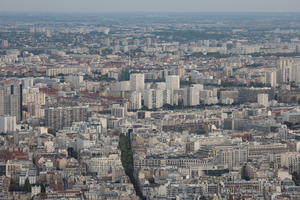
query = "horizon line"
{"x": 149, "y": 12}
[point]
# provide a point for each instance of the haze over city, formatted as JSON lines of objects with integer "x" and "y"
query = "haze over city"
{"x": 150, "y": 6}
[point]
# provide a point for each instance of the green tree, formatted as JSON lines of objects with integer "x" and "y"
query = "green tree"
{"x": 151, "y": 180}
{"x": 296, "y": 178}
{"x": 72, "y": 153}
{"x": 43, "y": 188}
{"x": 14, "y": 186}
{"x": 244, "y": 174}
{"x": 127, "y": 161}
{"x": 125, "y": 75}
{"x": 27, "y": 186}
{"x": 201, "y": 132}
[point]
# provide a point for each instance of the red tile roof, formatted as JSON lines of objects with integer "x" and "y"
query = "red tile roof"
{"x": 49, "y": 91}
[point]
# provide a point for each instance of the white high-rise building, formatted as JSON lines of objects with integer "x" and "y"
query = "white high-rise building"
{"x": 7, "y": 123}
{"x": 296, "y": 72}
{"x": 173, "y": 82}
{"x": 263, "y": 99}
{"x": 168, "y": 97}
{"x": 160, "y": 86}
{"x": 11, "y": 98}
{"x": 137, "y": 82}
{"x": 60, "y": 117}
{"x": 34, "y": 100}
{"x": 191, "y": 96}
{"x": 74, "y": 80}
{"x": 27, "y": 82}
{"x": 271, "y": 78}
{"x": 121, "y": 86}
{"x": 285, "y": 70}
{"x": 233, "y": 157}
{"x": 135, "y": 100}
{"x": 153, "y": 99}
{"x": 118, "y": 110}
{"x": 290, "y": 160}
{"x": 4, "y": 44}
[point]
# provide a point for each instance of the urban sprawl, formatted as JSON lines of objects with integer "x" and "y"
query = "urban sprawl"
{"x": 150, "y": 106}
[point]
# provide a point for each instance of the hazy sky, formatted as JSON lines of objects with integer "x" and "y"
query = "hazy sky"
{"x": 150, "y": 5}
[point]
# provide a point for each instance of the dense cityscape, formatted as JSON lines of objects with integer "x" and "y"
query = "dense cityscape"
{"x": 156, "y": 106}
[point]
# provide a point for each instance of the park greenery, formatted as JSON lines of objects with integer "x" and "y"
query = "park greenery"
{"x": 127, "y": 161}
{"x": 296, "y": 178}
{"x": 15, "y": 187}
